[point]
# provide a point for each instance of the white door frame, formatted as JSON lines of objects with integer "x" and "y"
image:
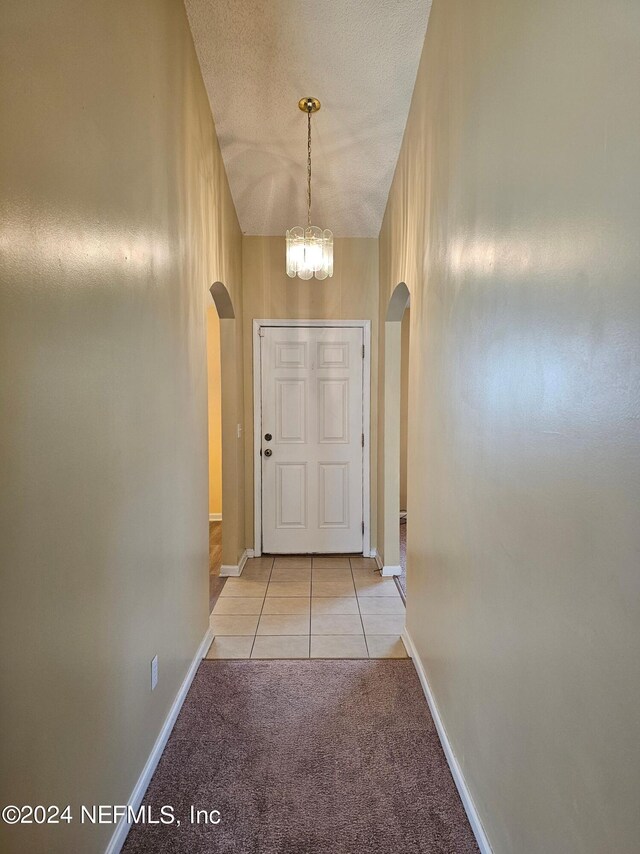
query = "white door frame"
{"x": 365, "y": 325}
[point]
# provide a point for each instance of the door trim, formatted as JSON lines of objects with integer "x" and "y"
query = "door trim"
{"x": 365, "y": 325}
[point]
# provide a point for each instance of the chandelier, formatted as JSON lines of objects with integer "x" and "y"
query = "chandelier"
{"x": 310, "y": 249}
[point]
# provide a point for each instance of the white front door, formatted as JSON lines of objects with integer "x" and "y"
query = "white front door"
{"x": 312, "y": 439}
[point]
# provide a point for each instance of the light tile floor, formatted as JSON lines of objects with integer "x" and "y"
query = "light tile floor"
{"x": 303, "y": 607}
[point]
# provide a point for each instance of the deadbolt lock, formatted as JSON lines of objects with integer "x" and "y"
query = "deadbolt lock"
{"x": 268, "y": 437}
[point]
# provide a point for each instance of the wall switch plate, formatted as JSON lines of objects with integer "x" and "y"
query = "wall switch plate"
{"x": 239, "y": 431}
{"x": 154, "y": 672}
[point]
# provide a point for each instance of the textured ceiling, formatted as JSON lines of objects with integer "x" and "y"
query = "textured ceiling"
{"x": 359, "y": 57}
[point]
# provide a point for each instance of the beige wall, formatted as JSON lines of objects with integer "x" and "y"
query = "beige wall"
{"x": 233, "y": 480}
{"x": 514, "y": 220}
{"x": 404, "y": 405}
{"x": 352, "y": 294}
{"x": 116, "y": 218}
{"x": 215, "y": 417}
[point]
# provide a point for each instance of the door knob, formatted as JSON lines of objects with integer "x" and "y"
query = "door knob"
{"x": 268, "y": 452}
{"x": 268, "y": 437}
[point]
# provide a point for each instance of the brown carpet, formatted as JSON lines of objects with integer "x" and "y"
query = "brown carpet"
{"x": 306, "y": 757}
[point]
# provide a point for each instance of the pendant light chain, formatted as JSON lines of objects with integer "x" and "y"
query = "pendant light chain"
{"x": 309, "y": 167}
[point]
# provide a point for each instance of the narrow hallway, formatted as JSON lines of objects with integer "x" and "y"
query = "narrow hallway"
{"x": 274, "y": 275}
{"x": 306, "y": 757}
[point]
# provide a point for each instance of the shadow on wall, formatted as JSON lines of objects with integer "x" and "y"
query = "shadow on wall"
{"x": 222, "y": 300}
{"x": 399, "y": 301}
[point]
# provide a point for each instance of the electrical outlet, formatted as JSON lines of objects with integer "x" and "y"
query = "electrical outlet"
{"x": 154, "y": 672}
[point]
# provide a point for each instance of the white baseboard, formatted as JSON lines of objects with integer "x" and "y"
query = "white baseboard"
{"x": 391, "y": 570}
{"x": 456, "y": 771}
{"x": 386, "y": 570}
{"x": 230, "y": 570}
{"x": 135, "y": 799}
{"x": 215, "y": 517}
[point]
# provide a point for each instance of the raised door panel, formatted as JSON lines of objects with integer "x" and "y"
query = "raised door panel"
{"x": 291, "y": 410}
{"x": 333, "y": 410}
{"x": 291, "y": 495}
{"x": 291, "y": 354}
{"x": 333, "y": 354}
{"x": 333, "y": 495}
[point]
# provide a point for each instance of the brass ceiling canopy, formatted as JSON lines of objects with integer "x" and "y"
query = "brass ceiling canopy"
{"x": 309, "y": 105}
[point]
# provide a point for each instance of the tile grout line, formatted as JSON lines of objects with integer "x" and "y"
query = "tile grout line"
{"x": 354, "y": 589}
{"x": 273, "y": 563}
{"x": 264, "y": 599}
{"x": 359, "y": 611}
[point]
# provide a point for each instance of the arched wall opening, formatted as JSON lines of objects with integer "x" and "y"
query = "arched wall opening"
{"x": 393, "y": 432}
{"x": 225, "y": 406}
